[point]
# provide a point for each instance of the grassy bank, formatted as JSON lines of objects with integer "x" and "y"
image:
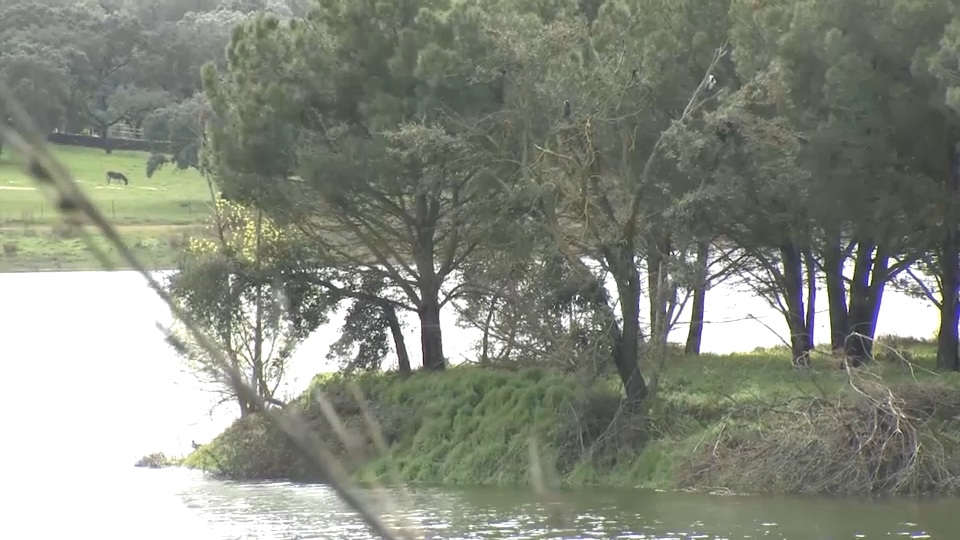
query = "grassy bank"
{"x": 746, "y": 423}
{"x": 56, "y": 247}
{"x": 155, "y": 215}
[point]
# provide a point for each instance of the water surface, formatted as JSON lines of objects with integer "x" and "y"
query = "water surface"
{"x": 90, "y": 386}
{"x": 177, "y": 504}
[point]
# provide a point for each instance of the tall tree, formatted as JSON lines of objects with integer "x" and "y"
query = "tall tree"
{"x": 751, "y": 183}
{"x": 592, "y": 106}
{"x": 846, "y": 68}
{"x": 360, "y": 125}
{"x": 240, "y": 287}
{"x": 39, "y": 80}
{"x": 944, "y": 64}
{"x": 179, "y": 127}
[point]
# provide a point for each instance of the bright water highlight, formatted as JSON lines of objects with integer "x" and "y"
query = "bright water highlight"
{"x": 91, "y": 386}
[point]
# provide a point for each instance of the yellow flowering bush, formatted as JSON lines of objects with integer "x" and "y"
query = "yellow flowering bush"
{"x": 238, "y": 295}
{"x": 237, "y": 225}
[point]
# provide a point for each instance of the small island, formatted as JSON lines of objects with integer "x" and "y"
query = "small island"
{"x": 156, "y": 460}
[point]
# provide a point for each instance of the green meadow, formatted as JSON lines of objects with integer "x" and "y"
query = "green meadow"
{"x": 155, "y": 215}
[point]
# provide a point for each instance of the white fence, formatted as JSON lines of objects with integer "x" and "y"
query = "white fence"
{"x": 125, "y": 131}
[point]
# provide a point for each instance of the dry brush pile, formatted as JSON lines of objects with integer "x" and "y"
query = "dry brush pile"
{"x": 868, "y": 438}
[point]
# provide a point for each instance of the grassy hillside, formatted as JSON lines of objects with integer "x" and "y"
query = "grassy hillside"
{"x": 155, "y": 215}
{"x": 746, "y": 422}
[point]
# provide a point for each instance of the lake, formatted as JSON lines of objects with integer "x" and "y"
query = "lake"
{"x": 91, "y": 386}
{"x": 179, "y": 504}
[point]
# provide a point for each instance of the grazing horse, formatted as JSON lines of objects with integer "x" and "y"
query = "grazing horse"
{"x": 118, "y": 177}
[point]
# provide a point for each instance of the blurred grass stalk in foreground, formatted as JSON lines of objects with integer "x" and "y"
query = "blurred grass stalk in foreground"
{"x": 55, "y": 182}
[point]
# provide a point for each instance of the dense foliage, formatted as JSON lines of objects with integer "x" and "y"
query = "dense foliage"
{"x": 506, "y": 161}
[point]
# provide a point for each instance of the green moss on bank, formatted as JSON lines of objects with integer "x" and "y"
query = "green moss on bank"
{"x": 746, "y": 422}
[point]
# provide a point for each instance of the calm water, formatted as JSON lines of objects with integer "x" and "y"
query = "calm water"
{"x": 177, "y": 504}
{"x": 90, "y": 386}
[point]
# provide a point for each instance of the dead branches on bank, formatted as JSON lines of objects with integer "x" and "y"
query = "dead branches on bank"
{"x": 871, "y": 437}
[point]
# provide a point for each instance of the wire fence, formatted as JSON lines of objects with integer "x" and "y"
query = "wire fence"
{"x": 41, "y": 212}
{"x": 120, "y": 211}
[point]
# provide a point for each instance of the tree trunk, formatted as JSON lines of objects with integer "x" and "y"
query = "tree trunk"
{"x": 657, "y": 276}
{"x": 811, "y": 269}
{"x": 105, "y": 140}
{"x": 948, "y": 357}
{"x": 403, "y": 359}
{"x": 625, "y": 341}
{"x": 258, "y": 382}
{"x": 695, "y": 332}
{"x": 485, "y": 341}
{"x": 800, "y": 345}
{"x": 948, "y": 341}
{"x": 231, "y": 355}
{"x": 431, "y": 338}
{"x": 836, "y": 294}
{"x": 878, "y": 285}
{"x": 870, "y": 275}
{"x": 626, "y": 350}
{"x": 855, "y": 346}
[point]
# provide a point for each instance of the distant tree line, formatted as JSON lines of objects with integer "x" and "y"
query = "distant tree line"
{"x": 88, "y": 65}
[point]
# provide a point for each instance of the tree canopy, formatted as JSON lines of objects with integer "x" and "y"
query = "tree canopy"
{"x": 563, "y": 175}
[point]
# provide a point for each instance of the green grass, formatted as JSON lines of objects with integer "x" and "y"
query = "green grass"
{"x": 35, "y": 248}
{"x": 744, "y": 422}
{"x": 155, "y": 216}
{"x": 170, "y": 197}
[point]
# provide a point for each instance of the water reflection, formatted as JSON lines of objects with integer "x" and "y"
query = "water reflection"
{"x": 278, "y": 510}
{"x": 95, "y": 387}
{"x": 92, "y": 334}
